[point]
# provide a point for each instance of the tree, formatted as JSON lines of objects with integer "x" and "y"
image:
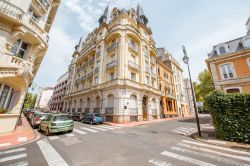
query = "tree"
{"x": 204, "y": 86}
{"x": 30, "y": 101}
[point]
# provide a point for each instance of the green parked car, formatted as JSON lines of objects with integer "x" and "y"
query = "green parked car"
{"x": 56, "y": 123}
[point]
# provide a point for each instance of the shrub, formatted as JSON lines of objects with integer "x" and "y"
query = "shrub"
{"x": 2, "y": 110}
{"x": 230, "y": 115}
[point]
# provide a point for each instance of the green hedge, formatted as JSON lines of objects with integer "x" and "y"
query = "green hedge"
{"x": 230, "y": 115}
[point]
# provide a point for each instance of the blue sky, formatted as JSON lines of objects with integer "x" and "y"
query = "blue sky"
{"x": 199, "y": 25}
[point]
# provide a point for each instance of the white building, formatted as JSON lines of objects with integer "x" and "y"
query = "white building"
{"x": 43, "y": 98}
{"x": 189, "y": 97}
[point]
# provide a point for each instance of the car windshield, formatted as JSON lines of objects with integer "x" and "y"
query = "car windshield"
{"x": 97, "y": 115}
{"x": 62, "y": 118}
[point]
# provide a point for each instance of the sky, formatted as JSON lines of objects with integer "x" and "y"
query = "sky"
{"x": 199, "y": 25}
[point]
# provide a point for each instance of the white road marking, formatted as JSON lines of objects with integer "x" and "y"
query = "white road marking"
{"x": 14, "y": 157}
{"x": 53, "y": 138}
{"x": 216, "y": 147}
{"x": 12, "y": 151}
{"x": 5, "y": 144}
{"x": 50, "y": 154}
{"x": 214, "y": 152}
{"x": 186, "y": 159}
{"x": 87, "y": 129}
{"x": 190, "y": 129}
{"x": 114, "y": 127}
{"x": 107, "y": 127}
{"x": 70, "y": 135}
{"x": 22, "y": 139}
{"x": 179, "y": 132}
{"x": 226, "y": 161}
{"x": 182, "y": 130}
{"x": 79, "y": 131}
{"x": 159, "y": 162}
{"x": 217, "y": 142}
{"x": 23, "y": 163}
{"x": 97, "y": 128}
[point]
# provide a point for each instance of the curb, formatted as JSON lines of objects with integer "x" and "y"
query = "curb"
{"x": 221, "y": 143}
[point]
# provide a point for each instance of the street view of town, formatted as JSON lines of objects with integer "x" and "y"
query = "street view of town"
{"x": 124, "y": 82}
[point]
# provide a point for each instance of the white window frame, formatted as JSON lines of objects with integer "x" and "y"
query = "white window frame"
{"x": 233, "y": 70}
{"x": 233, "y": 87}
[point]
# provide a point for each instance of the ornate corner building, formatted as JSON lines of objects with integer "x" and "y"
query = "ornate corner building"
{"x": 114, "y": 72}
{"x": 24, "y": 28}
{"x": 229, "y": 64}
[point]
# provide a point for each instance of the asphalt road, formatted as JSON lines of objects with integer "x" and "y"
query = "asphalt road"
{"x": 159, "y": 144}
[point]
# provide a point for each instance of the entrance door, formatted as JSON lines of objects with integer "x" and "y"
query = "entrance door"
{"x": 145, "y": 108}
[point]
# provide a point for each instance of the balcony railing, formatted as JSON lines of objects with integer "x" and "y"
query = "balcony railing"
{"x": 133, "y": 47}
{"x": 133, "y": 111}
{"x": 152, "y": 60}
{"x": 109, "y": 110}
{"x": 112, "y": 47}
{"x": 133, "y": 65}
{"x": 85, "y": 65}
{"x": 90, "y": 74}
{"x": 112, "y": 64}
{"x": 11, "y": 10}
{"x": 97, "y": 110}
{"x": 147, "y": 69}
{"x": 153, "y": 74}
{"x": 83, "y": 78}
{"x": 146, "y": 54}
{"x": 41, "y": 5}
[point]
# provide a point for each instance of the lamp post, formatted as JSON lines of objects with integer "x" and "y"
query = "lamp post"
{"x": 185, "y": 60}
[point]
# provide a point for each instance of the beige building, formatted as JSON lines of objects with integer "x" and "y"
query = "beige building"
{"x": 24, "y": 28}
{"x": 169, "y": 60}
{"x": 189, "y": 97}
{"x": 113, "y": 71}
{"x": 43, "y": 98}
{"x": 56, "y": 101}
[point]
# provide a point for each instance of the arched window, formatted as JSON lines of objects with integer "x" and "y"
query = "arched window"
{"x": 110, "y": 101}
{"x": 88, "y": 103}
{"x": 98, "y": 102}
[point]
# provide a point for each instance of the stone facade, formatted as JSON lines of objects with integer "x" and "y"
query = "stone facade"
{"x": 56, "y": 101}
{"x": 189, "y": 97}
{"x": 113, "y": 71}
{"x": 229, "y": 64}
{"x": 43, "y": 98}
{"x": 24, "y": 28}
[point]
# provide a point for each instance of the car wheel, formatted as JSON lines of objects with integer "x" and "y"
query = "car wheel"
{"x": 91, "y": 122}
{"x": 70, "y": 131}
{"x": 47, "y": 133}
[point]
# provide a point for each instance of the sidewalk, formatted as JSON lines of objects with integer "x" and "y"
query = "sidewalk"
{"x": 208, "y": 136}
{"x": 132, "y": 124}
{"x": 22, "y": 134}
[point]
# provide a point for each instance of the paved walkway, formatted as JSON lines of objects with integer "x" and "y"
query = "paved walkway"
{"x": 22, "y": 134}
{"x": 131, "y": 124}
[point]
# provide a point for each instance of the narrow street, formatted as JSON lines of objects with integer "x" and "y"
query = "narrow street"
{"x": 160, "y": 144}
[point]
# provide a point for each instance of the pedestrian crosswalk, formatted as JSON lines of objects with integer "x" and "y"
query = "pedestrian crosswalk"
{"x": 183, "y": 130}
{"x": 14, "y": 157}
{"x": 196, "y": 153}
{"x": 85, "y": 131}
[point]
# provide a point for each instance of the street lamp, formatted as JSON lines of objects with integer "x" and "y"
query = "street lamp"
{"x": 185, "y": 60}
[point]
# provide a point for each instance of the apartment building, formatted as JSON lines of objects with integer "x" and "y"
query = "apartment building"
{"x": 43, "y": 98}
{"x": 189, "y": 97}
{"x": 113, "y": 71}
{"x": 167, "y": 88}
{"x": 24, "y": 28}
{"x": 56, "y": 100}
{"x": 168, "y": 59}
{"x": 229, "y": 64}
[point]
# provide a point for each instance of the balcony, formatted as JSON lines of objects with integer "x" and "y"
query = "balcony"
{"x": 85, "y": 65}
{"x": 11, "y": 10}
{"x": 38, "y": 30}
{"x": 152, "y": 60}
{"x": 112, "y": 64}
{"x": 133, "y": 65}
{"x": 83, "y": 78}
{"x": 133, "y": 47}
{"x": 153, "y": 74}
{"x": 109, "y": 110}
{"x": 147, "y": 69}
{"x": 146, "y": 54}
{"x": 112, "y": 47}
{"x": 41, "y": 6}
{"x": 90, "y": 74}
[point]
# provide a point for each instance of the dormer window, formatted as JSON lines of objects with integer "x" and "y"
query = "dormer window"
{"x": 222, "y": 50}
{"x": 20, "y": 48}
{"x": 246, "y": 41}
